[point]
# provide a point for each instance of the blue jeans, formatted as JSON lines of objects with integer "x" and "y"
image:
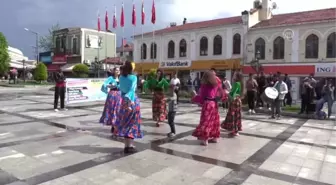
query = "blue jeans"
{"x": 321, "y": 102}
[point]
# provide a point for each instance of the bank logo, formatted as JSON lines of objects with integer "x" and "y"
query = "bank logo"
{"x": 288, "y": 34}
{"x": 163, "y": 64}
{"x": 173, "y": 64}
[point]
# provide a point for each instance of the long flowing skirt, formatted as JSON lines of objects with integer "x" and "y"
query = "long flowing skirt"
{"x": 232, "y": 121}
{"x": 128, "y": 122}
{"x": 111, "y": 109}
{"x": 159, "y": 106}
{"x": 209, "y": 126}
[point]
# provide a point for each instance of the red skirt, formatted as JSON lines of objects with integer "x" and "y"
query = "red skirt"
{"x": 159, "y": 106}
{"x": 209, "y": 126}
{"x": 232, "y": 120}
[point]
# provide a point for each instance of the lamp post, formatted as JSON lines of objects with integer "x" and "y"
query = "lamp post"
{"x": 24, "y": 70}
{"x": 37, "y": 38}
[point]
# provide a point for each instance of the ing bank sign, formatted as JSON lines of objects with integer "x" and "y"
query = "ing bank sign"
{"x": 175, "y": 64}
{"x": 326, "y": 70}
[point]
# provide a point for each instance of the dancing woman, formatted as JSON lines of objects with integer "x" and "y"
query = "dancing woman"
{"x": 113, "y": 100}
{"x": 129, "y": 118}
{"x": 232, "y": 122}
{"x": 209, "y": 126}
{"x": 159, "y": 105}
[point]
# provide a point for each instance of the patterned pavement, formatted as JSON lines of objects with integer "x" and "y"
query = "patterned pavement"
{"x": 40, "y": 146}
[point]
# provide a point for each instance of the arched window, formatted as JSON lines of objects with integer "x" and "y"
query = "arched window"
{"x": 153, "y": 51}
{"x": 58, "y": 44}
{"x": 183, "y": 48}
{"x": 331, "y": 45}
{"x": 204, "y": 46}
{"x": 143, "y": 51}
{"x": 312, "y": 46}
{"x": 260, "y": 49}
{"x": 236, "y": 44}
{"x": 279, "y": 48}
{"x": 217, "y": 45}
{"x": 171, "y": 49}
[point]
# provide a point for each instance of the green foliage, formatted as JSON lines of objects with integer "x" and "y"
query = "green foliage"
{"x": 40, "y": 72}
{"x": 80, "y": 70}
{"x": 46, "y": 42}
{"x": 4, "y": 56}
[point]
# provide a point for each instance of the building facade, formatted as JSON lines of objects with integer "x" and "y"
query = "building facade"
{"x": 80, "y": 45}
{"x": 18, "y": 60}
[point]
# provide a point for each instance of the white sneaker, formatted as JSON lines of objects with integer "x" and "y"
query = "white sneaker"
{"x": 253, "y": 112}
{"x": 250, "y": 111}
{"x": 64, "y": 109}
{"x": 56, "y": 110}
{"x": 260, "y": 108}
{"x": 269, "y": 109}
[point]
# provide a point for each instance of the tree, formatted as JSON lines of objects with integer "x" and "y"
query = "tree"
{"x": 4, "y": 56}
{"x": 81, "y": 70}
{"x": 40, "y": 72}
{"x": 46, "y": 43}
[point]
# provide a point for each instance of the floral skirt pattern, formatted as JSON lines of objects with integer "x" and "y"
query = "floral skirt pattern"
{"x": 159, "y": 107}
{"x": 232, "y": 120}
{"x": 111, "y": 109}
{"x": 128, "y": 122}
{"x": 209, "y": 126}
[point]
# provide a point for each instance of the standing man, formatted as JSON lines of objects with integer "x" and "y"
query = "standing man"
{"x": 251, "y": 91}
{"x": 262, "y": 84}
{"x": 281, "y": 87}
{"x": 59, "y": 90}
{"x": 288, "y": 97}
{"x": 197, "y": 83}
{"x": 176, "y": 82}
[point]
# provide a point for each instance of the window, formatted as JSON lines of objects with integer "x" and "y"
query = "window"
{"x": 236, "y": 44}
{"x": 312, "y": 46}
{"x": 63, "y": 44}
{"x": 171, "y": 49}
{"x": 143, "y": 51}
{"x": 331, "y": 45}
{"x": 74, "y": 46}
{"x": 217, "y": 45}
{"x": 183, "y": 48}
{"x": 279, "y": 48}
{"x": 204, "y": 46}
{"x": 58, "y": 44}
{"x": 121, "y": 54}
{"x": 260, "y": 48}
{"x": 153, "y": 51}
{"x": 130, "y": 53}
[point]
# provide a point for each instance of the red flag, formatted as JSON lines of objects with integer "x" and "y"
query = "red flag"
{"x": 122, "y": 19}
{"x": 106, "y": 21}
{"x": 133, "y": 15}
{"x": 98, "y": 23}
{"x": 153, "y": 13}
{"x": 115, "y": 17}
{"x": 143, "y": 14}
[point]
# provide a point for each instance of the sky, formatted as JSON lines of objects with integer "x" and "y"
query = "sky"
{"x": 40, "y": 15}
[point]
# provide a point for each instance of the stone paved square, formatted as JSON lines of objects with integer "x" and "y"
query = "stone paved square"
{"x": 36, "y": 149}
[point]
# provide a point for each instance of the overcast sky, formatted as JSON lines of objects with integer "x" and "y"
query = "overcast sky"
{"x": 39, "y": 15}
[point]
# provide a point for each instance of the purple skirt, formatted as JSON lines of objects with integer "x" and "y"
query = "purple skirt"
{"x": 111, "y": 109}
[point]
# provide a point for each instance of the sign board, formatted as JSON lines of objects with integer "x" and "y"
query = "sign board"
{"x": 175, "y": 64}
{"x": 295, "y": 88}
{"x": 325, "y": 70}
{"x": 93, "y": 41}
{"x": 80, "y": 90}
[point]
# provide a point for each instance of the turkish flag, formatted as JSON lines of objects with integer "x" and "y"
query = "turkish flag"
{"x": 133, "y": 16}
{"x": 122, "y": 18}
{"x": 153, "y": 13}
{"x": 143, "y": 13}
{"x": 98, "y": 23}
{"x": 115, "y": 18}
{"x": 106, "y": 21}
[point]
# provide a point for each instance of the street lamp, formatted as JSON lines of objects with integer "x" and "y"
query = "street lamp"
{"x": 255, "y": 63}
{"x": 24, "y": 70}
{"x": 37, "y": 38}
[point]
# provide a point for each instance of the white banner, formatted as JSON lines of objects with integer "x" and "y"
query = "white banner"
{"x": 325, "y": 70}
{"x": 80, "y": 90}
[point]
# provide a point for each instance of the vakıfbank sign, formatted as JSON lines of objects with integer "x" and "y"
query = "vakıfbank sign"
{"x": 175, "y": 64}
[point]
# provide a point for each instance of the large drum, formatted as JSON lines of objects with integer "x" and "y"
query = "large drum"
{"x": 269, "y": 95}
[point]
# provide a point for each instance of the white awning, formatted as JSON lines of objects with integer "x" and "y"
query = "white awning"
{"x": 19, "y": 65}
{"x": 67, "y": 67}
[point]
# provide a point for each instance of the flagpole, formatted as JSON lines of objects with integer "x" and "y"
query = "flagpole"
{"x": 98, "y": 47}
{"x": 141, "y": 48}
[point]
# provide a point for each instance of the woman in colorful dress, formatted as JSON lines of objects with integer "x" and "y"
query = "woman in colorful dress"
{"x": 208, "y": 129}
{"x": 113, "y": 100}
{"x": 159, "y": 105}
{"x": 129, "y": 118}
{"x": 232, "y": 122}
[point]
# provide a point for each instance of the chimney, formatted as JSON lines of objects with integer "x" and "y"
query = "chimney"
{"x": 172, "y": 24}
{"x": 256, "y": 4}
{"x": 185, "y": 21}
{"x": 265, "y": 12}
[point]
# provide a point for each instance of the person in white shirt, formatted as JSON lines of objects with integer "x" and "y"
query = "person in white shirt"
{"x": 227, "y": 88}
{"x": 282, "y": 88}
{"x": 176, "y": 83}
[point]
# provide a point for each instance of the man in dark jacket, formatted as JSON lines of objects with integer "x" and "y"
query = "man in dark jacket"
{"x": 59, "y": 90}
{"x": 288, "y": 96}
{"x": 262, "y": 84}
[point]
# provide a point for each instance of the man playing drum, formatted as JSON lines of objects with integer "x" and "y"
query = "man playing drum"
{"x": 282, "y": 89}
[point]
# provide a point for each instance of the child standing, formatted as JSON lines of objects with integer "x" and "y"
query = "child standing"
{"x": 172, "y": 107}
